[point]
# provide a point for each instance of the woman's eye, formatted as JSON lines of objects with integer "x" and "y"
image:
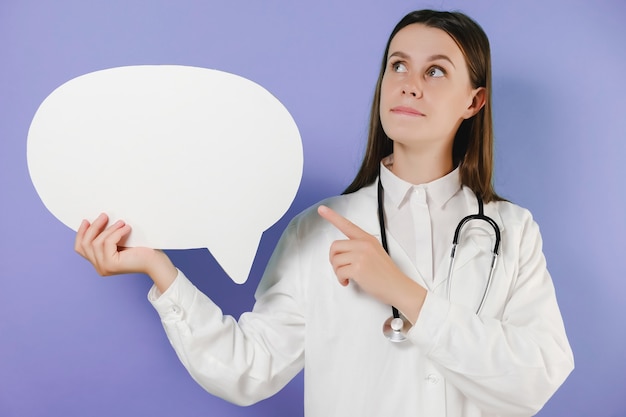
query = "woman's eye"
{"x": 436, "y": 72}
{"x": 398, "y": 67}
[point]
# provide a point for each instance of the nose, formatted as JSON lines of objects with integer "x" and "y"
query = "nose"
{"x": 412, "y": 87}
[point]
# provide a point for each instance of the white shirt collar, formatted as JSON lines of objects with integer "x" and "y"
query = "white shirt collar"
{"x": 438, "y": 191}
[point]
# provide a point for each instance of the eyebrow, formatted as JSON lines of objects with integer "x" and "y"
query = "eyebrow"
{"x": 430, "y": 58}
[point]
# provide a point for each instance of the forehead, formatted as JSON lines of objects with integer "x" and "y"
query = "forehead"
{"x": 418, "y": 40}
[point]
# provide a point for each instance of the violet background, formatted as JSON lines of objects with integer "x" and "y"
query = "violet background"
{"x": 74, "y": 344}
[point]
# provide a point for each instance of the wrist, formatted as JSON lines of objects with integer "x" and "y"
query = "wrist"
{"x": 161, "y": 270}
{"x": 410, "y": 299}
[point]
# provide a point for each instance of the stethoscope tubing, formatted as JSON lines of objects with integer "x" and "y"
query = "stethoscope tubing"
{"x": 494, "y": 257}
{"x": 392, "y": 328}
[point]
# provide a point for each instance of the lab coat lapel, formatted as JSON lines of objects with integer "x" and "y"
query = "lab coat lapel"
{"x": 476, "y": 238}
{"x": 403, "y": 262}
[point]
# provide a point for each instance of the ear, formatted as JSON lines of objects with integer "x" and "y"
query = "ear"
{"x": 479, "y": 96}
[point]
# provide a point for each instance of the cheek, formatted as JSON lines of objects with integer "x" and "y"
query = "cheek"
{"x": 463, "y": 95}
{"x": 384, "y": 95}
{"x": 384, "y": 89}
{"x": 455, "y": 102}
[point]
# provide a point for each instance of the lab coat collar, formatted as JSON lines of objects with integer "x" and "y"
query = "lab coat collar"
{"x": 438, "y": 191}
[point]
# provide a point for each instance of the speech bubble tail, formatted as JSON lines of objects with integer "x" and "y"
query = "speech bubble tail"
{"x": 236, "y": 255}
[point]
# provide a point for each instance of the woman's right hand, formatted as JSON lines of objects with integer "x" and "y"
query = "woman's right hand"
{"x": 100, "y": 245}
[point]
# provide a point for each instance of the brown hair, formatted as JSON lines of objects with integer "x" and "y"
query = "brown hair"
{"x": 473, "y": 143}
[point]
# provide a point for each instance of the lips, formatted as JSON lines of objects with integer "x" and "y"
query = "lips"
{"x": 407, "y": 111}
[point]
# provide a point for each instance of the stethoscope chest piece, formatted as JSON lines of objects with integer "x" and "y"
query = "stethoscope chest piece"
{"x": 395, "y": 329}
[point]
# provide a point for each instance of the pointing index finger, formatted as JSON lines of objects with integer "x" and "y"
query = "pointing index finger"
{"x": 345, "y": 226}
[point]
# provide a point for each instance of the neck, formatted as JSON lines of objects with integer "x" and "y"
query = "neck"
{"x": 421, "y": 166}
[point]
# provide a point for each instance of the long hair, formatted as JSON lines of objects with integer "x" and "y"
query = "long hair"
{"x": 472, "y": 150}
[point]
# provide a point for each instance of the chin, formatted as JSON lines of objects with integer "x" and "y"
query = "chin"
{"x": 415, "y": 141}
{"x": 406, "y": 136}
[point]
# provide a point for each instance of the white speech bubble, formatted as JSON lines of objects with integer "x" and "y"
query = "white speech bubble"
{"x": 189, "y": 157}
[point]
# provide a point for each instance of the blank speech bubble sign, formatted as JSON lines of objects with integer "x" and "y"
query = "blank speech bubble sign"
{"x": 189, "y": 157}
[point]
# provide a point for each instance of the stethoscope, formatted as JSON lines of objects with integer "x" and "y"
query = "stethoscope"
{"x": 396, "y": 327}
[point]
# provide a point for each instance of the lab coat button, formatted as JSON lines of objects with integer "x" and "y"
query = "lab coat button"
{"x": 175, "y": 309}
{"x": 433, "y": 379}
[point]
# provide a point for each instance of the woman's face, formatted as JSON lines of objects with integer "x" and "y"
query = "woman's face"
{"x": 426, "y": 91}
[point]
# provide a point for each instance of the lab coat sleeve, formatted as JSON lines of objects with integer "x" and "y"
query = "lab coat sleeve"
{"x": 509, "y": 365}
{"x": 241, "y": 361}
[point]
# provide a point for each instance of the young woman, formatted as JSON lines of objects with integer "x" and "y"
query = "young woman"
{"x": 475, "y": 337}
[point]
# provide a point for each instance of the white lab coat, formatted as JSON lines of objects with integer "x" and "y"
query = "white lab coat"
{"x": 507, "y": 362}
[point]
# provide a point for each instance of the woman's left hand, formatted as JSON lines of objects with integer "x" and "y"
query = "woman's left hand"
{"x": 362, "y": 259}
